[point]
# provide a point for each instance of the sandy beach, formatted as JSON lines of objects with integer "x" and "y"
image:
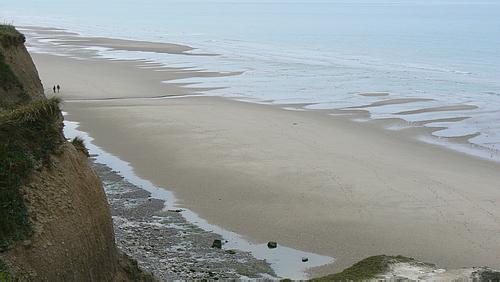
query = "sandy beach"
{"x": 306, "y": 179}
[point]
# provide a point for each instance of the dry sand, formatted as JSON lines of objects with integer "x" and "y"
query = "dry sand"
{"x": 303, "y": 178}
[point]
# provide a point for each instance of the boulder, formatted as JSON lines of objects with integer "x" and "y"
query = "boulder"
{"x": 272, "y": 245}
{"x": 217, "y": 244}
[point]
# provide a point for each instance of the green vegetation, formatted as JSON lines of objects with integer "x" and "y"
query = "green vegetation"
{"x": 79, "y": 144}
{"x": 4, "y": 272}
{"x": 366, "y": 269}
{"x": 3, "y": 267}
{"x": 29, "y": 134}
{"x": 9, "y": 36}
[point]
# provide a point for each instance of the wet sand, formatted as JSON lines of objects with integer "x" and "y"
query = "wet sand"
{"x": 375, "y": 94}
{"x": 68, "y": 38}
{"x": 439, "y": 109}
{"x": 306, "y": 179}
{"x": 392, "y": 102}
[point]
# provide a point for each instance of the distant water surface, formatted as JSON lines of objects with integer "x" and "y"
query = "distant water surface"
{"x": 325, "y": 53}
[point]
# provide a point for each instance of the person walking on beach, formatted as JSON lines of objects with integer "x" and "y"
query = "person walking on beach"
{"x": 54, "y": 88}
{"x": 58, "y": 87}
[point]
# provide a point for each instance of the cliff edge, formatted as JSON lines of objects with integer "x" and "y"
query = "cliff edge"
{"x": 55, "y": 222}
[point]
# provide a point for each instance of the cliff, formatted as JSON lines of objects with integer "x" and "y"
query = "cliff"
{"x": 55, "y": 222}
{"x": 19, "y": 81}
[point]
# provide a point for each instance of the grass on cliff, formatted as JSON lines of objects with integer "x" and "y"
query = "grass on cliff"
{"x": 4, "y": 272}
{"x": 29, "y": 134}
{"x": 79, "y": 145}
{"x": 3, "y": 267}
{"x": 9, "y": 36}
{"x": 366, "y": 269}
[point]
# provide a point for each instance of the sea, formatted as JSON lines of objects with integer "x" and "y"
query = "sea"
{"x": 319, "y": 54}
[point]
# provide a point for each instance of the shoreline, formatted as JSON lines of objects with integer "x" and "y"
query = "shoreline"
{"x": 69, "y": 43}
{"x": 164, "y": 243}
{"x": 329, "y": 268}
{"x": 163, "y": 211}
{"x": 303, "y": 163}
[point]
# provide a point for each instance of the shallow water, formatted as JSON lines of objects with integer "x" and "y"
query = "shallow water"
{"x": 326, "y": 52}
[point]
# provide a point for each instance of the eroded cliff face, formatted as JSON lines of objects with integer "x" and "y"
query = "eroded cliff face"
{"x": 71, "y": 224}
{"x": 70, "y": 233}
{"x": 18, "y": 58}
{"x": 25, "y": 86}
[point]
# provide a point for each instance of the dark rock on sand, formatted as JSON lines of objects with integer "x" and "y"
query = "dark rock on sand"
{"x": 272, "y": 245}
{"x": 177, "y": 210}
{"x": 217, "y": 244}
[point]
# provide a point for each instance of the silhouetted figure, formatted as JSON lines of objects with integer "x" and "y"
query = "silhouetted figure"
{"x": 58, "y": 87}
{"x": 54, "y": 88}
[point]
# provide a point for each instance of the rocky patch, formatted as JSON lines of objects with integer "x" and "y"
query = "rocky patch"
{"x": 165, "y": 244}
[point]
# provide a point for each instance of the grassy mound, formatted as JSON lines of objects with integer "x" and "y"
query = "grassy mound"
{"x": 79, "y": 144}
{"x": 29, "y": 135}
{"x": 9, "y": 36}
{"x": 366, "y": 269}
